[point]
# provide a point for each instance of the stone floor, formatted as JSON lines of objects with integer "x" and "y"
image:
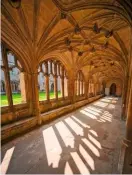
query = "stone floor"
{"x": 85, "y": 141}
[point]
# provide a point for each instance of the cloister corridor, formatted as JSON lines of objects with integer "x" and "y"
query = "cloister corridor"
{"x": 85, "y": 141}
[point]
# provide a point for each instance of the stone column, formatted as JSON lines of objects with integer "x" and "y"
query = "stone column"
{"x": 86, "y": 89}
{"x": 127, "y": 143}
{"x": 124, "y": 98}
{"x": 71, "y": 85}
{"x": 95, "y": 89}
{"x": 35, "y": 97}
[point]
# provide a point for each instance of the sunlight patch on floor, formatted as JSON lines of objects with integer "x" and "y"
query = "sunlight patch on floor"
{"x": 88, "y": 114}
{"x": 52, "y": 146}
{"x": 6, "y": 160}
{"x": 79, "y": 163}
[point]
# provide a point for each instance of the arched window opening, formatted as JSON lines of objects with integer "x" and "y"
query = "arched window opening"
{"x": 12, "y": 79}
{"x": 4, "y": 99}
{"x": 80, "y": 84}
{"x": 17, "y": 79}
{"x": 41, "y": 84}
{"x": 53, "y": 81}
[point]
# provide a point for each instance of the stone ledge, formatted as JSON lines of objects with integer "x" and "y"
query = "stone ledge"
{"x": 21, "y": 126}
{"x": 47, "y": 116}
{"x": 18, "y": 127}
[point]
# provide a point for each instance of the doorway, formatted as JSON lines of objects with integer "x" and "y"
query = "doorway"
{"x": 113, "y": 89}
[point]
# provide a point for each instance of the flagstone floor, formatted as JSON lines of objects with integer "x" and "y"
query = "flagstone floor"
{"x": 86, "y": 141}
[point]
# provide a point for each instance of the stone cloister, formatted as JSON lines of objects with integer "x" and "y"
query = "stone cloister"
{"x": 66, "y": 86}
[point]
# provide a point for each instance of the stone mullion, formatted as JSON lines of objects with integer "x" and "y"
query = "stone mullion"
{"x": 67, "y": 80}
{"x": 7, "y": 78}
{"x": 62, "y": 81}
{"x": 79, "y": 87}
{"x": 55, "y": 81}
{"x": 75, "y": 88}
{"x": 95, "y": 90}
{"x": 46, "y": 81}
{"x": 82, "y": 88}
{"x": 87, "y": 92}
{"x": 51, "y": 71}
{"x": 23, "y": 86}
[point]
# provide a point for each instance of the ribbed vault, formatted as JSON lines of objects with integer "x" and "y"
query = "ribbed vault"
{"x": 92, "y": 36}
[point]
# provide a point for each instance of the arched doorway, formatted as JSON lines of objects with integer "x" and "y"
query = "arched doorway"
{"x": 113, "y": 89}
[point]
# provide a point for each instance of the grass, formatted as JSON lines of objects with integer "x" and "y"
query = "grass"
{"x": 17, "y": 98}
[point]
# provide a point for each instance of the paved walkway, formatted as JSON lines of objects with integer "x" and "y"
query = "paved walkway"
{"x": 85, "y": 141}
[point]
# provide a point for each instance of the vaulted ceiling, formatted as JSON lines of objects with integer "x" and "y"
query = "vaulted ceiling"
{"x": 92, "y": 35}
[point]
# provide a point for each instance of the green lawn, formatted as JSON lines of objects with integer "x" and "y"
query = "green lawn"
{"x": 17, "y": 98}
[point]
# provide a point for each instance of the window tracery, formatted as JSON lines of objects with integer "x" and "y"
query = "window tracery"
{"x": 55, "y": 80}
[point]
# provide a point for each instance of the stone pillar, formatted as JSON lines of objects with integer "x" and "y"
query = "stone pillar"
{"x": 35, "y": 97}
{"x": 22, "y": 86}
{"x": 95, "y": 89}
{"x": 127, "y": 143}
{"x": 71, "y": 86}
{"x": 85, "y": 85}
{"x": 124, "y": 97}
